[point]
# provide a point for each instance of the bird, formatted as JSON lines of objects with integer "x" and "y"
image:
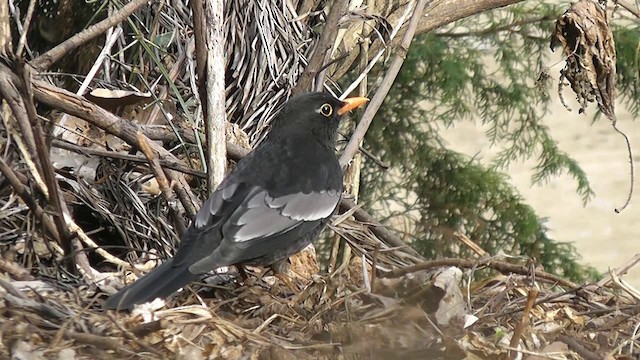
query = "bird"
{"x": 270, "y": 206}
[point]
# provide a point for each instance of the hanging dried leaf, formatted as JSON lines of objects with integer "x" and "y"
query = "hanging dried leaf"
{"x": 586, "y": 38}
{"x": 584, "y": 33}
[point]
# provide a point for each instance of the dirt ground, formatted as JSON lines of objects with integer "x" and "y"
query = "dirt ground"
{"x": 603, "y": 238}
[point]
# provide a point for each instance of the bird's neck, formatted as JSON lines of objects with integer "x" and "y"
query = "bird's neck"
{"x": 327, "y": 138}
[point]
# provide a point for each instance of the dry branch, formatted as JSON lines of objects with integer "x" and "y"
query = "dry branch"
{"x": 630, "y": 8}
{"x": 322, "y": 49}
{"x": 10, "y": 93}
{"x": 390, "y": 76}
{"x": 15, "y": 270}
{"x": 65, "y": 237}
{"x": 78, "y": 106}
{"x": 47, "y": 59}
{"x": 21, "y": 191}
{"x": 491, "y": 263}
{"x": 448, "y": 11}
{"x": 5, "y": 28}
{"x": 116, "y": 155}
{"x": 167, "y": 192}
{"x": 215, "y": 119}
{"x": 26, "y": 25}
{"x": 200, "y": 38}
{"x": 532, "y": 294}
{"x": 101, "y": 342}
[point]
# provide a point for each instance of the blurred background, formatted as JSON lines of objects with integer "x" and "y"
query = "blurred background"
{"x": 603, "y": 238}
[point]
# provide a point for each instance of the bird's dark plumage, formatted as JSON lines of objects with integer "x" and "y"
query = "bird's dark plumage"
{"x": 274, "y": 203}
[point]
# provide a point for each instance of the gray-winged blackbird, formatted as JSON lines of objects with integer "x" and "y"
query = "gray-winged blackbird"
{"x": 275, "y": 202}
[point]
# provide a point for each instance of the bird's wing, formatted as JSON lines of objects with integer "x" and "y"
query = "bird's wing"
{"x": 214, "y": 208}
{"x": 204, "y": 234}
{"x": 262, "y": 215}
{"x": 260, "y": 220}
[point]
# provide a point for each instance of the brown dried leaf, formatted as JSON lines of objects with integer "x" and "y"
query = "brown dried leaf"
{"x": 586, "y": 38}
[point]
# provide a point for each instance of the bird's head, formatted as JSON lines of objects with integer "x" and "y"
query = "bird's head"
{"x": 314, "y": 113}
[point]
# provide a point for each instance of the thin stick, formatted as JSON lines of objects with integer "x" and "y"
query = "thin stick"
{"x": 324, "y": 45}
{"x": 25, "y": 27}
{"x": 64, "y": 236}
{"x": 385, "y": 86}
{"x": 625, "y": 5}
{"x": 200, "y": 38}
{"x": 47, "y": 59}
{"x": 631, "y": 169}
{"x": 470, "y": 244}
{"x": 374, "y": 265}
{"x": 96, "y": 341}
{"x": 376, "y": 57}
{"x": 501, "y": 266}
{"x": 15, "y": 270}
{"x": 77, "y": 231}
{"x": 106, "y": 49}
{"x": 22, "y": 192}
{"x": 174, "y": 211}
{"x": 88, "y": 152}
{"x": 524, "y": 320}
{"x": 5, "y": 27}
{"x": 10, "y": 93}
{"x": 620, "y": 270}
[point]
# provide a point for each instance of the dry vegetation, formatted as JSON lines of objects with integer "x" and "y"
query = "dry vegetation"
{"x": 80, "y": 211}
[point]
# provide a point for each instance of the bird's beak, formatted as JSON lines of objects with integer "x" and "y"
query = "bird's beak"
{"x": 351, "y": 103}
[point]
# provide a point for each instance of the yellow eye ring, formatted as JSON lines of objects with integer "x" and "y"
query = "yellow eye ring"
{"x": 326, "y": 110}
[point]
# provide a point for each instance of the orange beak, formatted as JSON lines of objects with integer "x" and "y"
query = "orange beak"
{"x": 352, "y": 103}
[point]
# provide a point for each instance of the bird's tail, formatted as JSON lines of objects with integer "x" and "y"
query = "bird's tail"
{"x": 159, "y": 283}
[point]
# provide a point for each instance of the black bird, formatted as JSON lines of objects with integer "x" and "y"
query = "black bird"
{"x": 274, "y": 203}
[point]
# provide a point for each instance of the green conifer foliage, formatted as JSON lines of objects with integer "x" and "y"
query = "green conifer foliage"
{"x": 432, "y": 191}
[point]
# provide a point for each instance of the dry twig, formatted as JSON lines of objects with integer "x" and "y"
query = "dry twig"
{"x": 47, "y": 59}
{"x": 385, "y": 86}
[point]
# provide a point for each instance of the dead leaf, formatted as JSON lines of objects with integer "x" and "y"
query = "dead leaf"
{"x": 586, "y": 38}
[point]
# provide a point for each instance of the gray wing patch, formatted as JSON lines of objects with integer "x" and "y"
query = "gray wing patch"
{"x": 213, "y": 205}
{"x": 256, "y": 219}
{"x": 263, "y": 215}
{"x": 306, "y": 207}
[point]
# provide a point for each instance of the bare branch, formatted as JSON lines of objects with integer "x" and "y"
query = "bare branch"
{"x": 126, "y": 130}
{"x": 216, "y": 119}
{"x": 385, "y": 86}
{"x": 64, "y": 235}
{"x": 167, "y": 192}
{"x": 5, "y": 28}
{"x": 491, "y": 263}
{"x": 47, "y": 59}
{"x": 319, "y": 56}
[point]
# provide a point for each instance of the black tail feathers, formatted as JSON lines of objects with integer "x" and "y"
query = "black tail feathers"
{"x": 159, "y": 283}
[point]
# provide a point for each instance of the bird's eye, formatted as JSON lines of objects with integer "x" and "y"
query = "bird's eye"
{"x": 326, "y": 110}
